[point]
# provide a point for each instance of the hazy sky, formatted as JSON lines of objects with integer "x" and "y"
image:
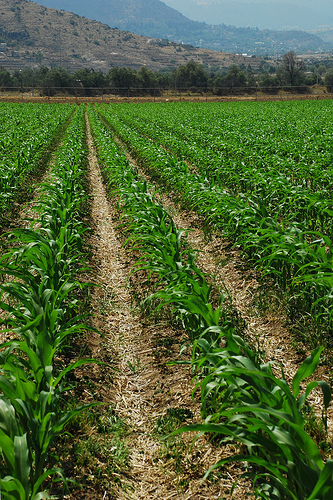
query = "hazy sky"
{"x": 277, "y": 14}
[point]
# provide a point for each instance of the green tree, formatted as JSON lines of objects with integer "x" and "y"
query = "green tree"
{"x": 163, "y": 79}
{"x": 235, "y": 77}
{"x": 329, "y": 80}
{"x": 312, "y": 79}
{"x": 250, "y": 76}
{"x": 190, "y": 76}
{"x": 58, "y": 77}
{"x": 90, "y": 78}
{"x": 220, "y": 81}
{"x": 145, "y": 78}
{"x": 122, "y": 77}
{"x": 40, "y": 76}
{"x": 291, "y": 69}
{"x": 321, "y": 69}
{"x": 24, "y": 76}
{"x": 269, "y": 83}
{"x": 266, "y": 80}
{"x": 5, "y": 78}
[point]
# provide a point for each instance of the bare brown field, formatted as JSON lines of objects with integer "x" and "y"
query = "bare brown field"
{"x": 109, "y": 98}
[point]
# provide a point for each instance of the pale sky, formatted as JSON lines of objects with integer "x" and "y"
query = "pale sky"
{"x": 274, "y": 14}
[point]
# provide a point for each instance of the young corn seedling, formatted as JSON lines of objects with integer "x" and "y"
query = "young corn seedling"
{"x": 251, "y": 219}
{"x": 250, "y": 405}
{"x": 242, "y": 399}
{"x": 42, "y": 313}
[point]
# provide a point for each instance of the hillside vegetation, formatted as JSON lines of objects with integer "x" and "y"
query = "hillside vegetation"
{"x": 154, "y": 18}
{"x": 32, "y": 35}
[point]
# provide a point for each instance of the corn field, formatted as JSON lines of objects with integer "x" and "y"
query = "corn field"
{"x": 257, "y": 174}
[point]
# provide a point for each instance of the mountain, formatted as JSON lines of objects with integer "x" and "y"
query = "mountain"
{"x": 271, "y": 14}
{"x": 33, "y": 35}
{"x": 155, "y": 19}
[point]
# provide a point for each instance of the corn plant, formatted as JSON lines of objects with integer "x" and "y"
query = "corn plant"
{"x": 242, "y": 398}
{"x": 279, "y": 244}
{"x": 244, "y": 401}
{"x": 28, "y": 136}
{"x": 42, "y": 312}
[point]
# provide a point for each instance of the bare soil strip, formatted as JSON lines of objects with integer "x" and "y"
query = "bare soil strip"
{"x": 265, "y": 329}
{"x": 107, "y": 99}
{"x": 144, "y": 386}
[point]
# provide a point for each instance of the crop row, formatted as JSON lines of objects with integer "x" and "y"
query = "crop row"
{"x": 41, "y": 314}
{"x": 293, "y": 137}
{"x": 241, "y": 399}
{"x": 300, "y": 260}
{"x": 273, "y": 178}
{"x": 27, "y": 133}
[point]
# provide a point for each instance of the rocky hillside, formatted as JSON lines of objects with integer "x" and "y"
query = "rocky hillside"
{"x": 156, "y": 19}
{"x": 32, "y": 35}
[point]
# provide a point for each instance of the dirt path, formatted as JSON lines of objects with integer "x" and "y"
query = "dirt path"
{"x": 265, "y": 329}
{"x": 145, "y": 388}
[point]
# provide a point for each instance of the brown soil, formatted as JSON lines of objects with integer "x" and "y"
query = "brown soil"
{"x": 265, "y": 329}
{"x": 144, "y": 388}
{"x": 165, "y": 98}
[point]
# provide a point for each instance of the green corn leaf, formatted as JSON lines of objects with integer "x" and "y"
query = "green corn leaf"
{"x": 12, "y": 489}
{"x": 40, "y": 496}
{"x": 7, "y": 448}
{"x": 59, "y": 426}
{"x": 303, "y": 397}
{"x": 46, "y": 401}
{"x": 8, "y": 387}
{"x": 306, "y": 369}
{"x": 8, "y": 422}
{"x": 22, "y": 463}
{"x": 327, "y": 393}
{"x": 323, "y": 490}
{"x": 326, "y": 390}
{"x": 276, "y": 471}
{"x": 55, "y": 471}
{"x": 75, "y": 365}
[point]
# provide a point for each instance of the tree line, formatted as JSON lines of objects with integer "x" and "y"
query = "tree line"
{"x": 291, "y": 71}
